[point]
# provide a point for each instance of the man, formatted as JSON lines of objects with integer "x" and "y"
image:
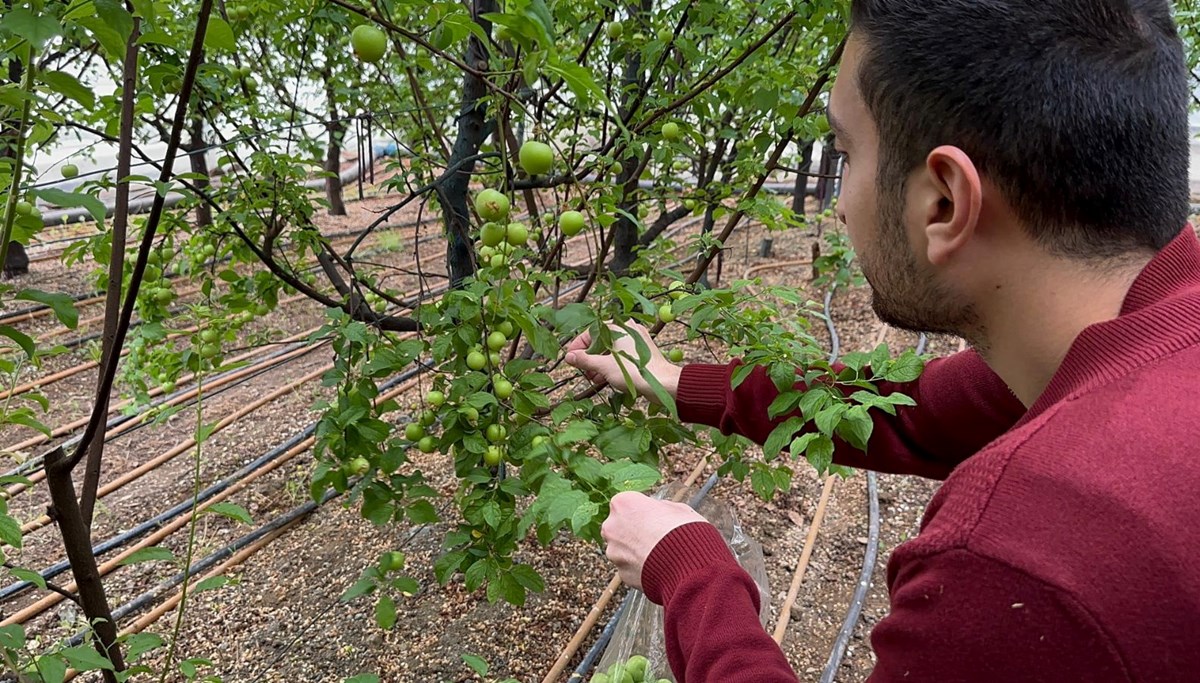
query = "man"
{"x": 1016, "y": 173}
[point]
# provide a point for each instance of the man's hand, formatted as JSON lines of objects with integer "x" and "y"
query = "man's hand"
{"x": 604, "y": 368}
{"x": 635, "y": 524}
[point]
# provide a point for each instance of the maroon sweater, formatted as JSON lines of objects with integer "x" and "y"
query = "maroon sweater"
{"x": 1063, "y": 546}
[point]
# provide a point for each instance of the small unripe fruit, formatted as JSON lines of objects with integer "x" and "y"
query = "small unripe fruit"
{"x": 496, "y": 340}
{"x": 428, "y": 418}
{"x": 210, "y": 350}
{"x": 493, "y": 456}
{"x": 665, "y": 313}
{"x": 435, "y": 398}
{"x": 427, "y": 444}
{"x": 24, "y": 208}
{"x": 492, "y": 205}
{"x": 494, "y": 358}
{"x": 368, "y": 42}
{"x": 502, "y": 388}
{"x": 492, "y": 234}
{"x": 496, "y": 433}
{"x": 670, "y": 131}
{"x": 392, "y": 561}
{"x": 614, "y": 30}
{"x": 536, "y": 157}
{"x": 358, "y": 466}
{"x": 209, "y": 336}
{"x": 517, "y": 234}
{"x": 414, "y": 431}
{"x": 571, "y": 223}
{"x": 498, "y": 261}
{"x": 70, "y": 171}
{"x": 471, "y": 414}
{"x": 476, "y": 360}
{"x": 675, "y": 355}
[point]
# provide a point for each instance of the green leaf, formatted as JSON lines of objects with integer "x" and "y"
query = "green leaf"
{"x": 38, "y": 30}
{"x": 364, "y": 585}
{"x": 30, "y": 576}
{"x": 85, "y": 658}
{"x": 856, "y": 427}
{"x": 94, "y": 206}
{"x": 211, "y": 583}
{"x": 813, "y": 401}
{"x": 782, "y": 436}
{"x": 583, "y": 516}
{"x": 631, "y": 476}
{"x": 763, "y": 483}
{"x": 622, "y": 443}
{"x": 62, "y": 305}
{"x": 445, "y": 566}
{"x": 152, "y": 554}
{"x": 385, "y": 612}
{"x": 907, "y": 368}
{"x": 53, "y": 669}
{"x": 12, "y": 637}
{"x": 577, "y": 78}
{"x": 362, "y": 678}
{"x": 139, "y": 644}
{"x": 477, "y": 664}
{"x": 69, "y": 86}
{"x": 827, "y": 420}
{"x": 820, "y": 453}
{"x": 10, "y": 531}
{"x": 576, "y": 432}
{"x": 24, "y": 417}
{"x": 230, "y": 510}
{"x": 23, "y": 340}
{"x": 529, "y": 578}
{"x": 219, "y": 35}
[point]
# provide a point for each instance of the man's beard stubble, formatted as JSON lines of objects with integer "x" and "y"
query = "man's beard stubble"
{"x": 904, "y": 296}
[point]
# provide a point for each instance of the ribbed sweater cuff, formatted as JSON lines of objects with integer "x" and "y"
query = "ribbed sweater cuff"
{"x": 701, "y": 394}
{"x": 688, "y": 549}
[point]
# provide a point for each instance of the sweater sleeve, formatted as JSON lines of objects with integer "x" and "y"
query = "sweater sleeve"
{"x": 710, "y": 611}
{"x": 957, "y": 616}
{"x": 961, "y": 407}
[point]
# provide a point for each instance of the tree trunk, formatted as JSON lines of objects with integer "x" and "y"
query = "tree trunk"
{"x": 336, "y": 128}
{"x": 333, "y": 166}
{"x": 473, "y": 129}
{"x": 625, "y": 230}
{"x": 826, "y": 184}
{"x": 800, "y": 192}
{"x": 16, "y": 262}
{"x": 198, "y": 162}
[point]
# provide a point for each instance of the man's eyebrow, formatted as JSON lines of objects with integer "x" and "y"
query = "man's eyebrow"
{"x": 835, "y": 125}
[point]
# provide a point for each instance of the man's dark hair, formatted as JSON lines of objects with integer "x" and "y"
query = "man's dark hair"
{"x": 1076, "y": 109}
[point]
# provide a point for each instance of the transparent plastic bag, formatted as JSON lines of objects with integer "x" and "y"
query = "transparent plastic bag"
{"x": 638, "y": 644}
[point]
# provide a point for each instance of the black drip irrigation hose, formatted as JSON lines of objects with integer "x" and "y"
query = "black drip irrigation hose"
{"x": 597, "y": 648}
{"x": 157, "y": 522}
{"x": 864, "y": 582}
{"x": 154, "y": 594}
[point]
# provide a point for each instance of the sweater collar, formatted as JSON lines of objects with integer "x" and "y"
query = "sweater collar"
{"x": 1160, "y": 315}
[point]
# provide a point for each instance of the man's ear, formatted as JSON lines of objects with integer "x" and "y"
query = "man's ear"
{"x": 950, "y": 201}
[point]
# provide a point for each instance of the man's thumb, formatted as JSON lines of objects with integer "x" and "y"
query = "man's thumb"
{"x": 584, "y": 361}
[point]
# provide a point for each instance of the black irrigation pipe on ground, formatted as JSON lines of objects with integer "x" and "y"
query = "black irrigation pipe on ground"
{"x": 154, "y": 594}
{"x": 158, "y": 521}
